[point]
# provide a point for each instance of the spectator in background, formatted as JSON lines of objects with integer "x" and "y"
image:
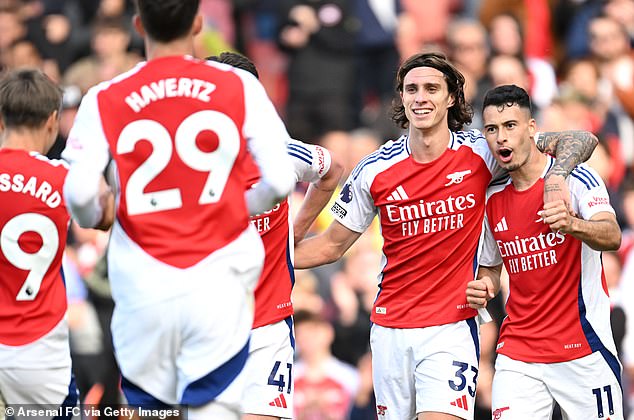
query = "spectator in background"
{"x": 509, "y": 69}
{"x": 468, "y": 46}
{"x": 12, "y": 30}
{"x": 319, "y": 38}
{"x": 422, "y": 23}
{"x": 611, "y": 51}
{"x": 626, "y": 290}
{"x": 109, "y": 58}
{"x": 353, "y": 292}
{"x": 377, "y": 57}
{"x": 325, "y": 387}
{"x": 507, "y": 39}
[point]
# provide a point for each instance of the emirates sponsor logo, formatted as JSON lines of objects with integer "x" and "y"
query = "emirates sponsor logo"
{"x": 422, "y": 209}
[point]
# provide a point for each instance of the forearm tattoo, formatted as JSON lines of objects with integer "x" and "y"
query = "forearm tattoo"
{"x": 569, "y": 147}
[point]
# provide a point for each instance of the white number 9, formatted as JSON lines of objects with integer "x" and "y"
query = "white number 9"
{"x": 37, "y": 263}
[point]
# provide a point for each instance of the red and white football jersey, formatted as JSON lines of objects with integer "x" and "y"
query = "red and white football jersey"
{"x": 273, "y": 292}
{"x": 431, "y": 219}
{"x": 33, "y": 229}
{"x": 177, "y": 129}
{"x": 558, "y": 305}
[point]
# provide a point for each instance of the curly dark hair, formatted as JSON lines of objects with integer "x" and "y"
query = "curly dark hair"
{"x": 236, "y": 60}
{"x": 459, "y": 114}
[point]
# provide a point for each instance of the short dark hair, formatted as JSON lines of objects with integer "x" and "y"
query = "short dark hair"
{"x": 508, "y": 95}
{"x": 28, "y": 98}
{"x": 167, "y": 20}
{"x": 236, "y": 60}
{"x": 460, "y": 113}
{"x": 305, "y": 316}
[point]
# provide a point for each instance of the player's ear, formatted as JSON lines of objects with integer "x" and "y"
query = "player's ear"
{"x": 138, "y": 25}
{"x": 197, "y": 26}
{"x": 52, "y": 120}
{"x": 532, "y": 127}
{"x": 451, "y": 101}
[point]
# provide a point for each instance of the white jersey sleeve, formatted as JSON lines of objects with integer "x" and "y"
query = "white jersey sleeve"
{"x": 267, "y": 139}
{"x": 88, "y": 154}
{"x": 589, "y": 195}
{"x": 477, "y": 142}
{"x": 354, "y": 208}
{"x": 311, "y": 162}
{"x": 490, "y": 255}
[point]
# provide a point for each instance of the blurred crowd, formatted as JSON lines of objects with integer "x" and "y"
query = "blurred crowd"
{"x": 329, "y": 66}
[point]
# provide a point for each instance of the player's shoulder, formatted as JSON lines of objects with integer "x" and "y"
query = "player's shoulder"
{"x": 497, "y": 187}
{"x": 470, "y": 138}
{"x": 55, "y": 163}
{"x": 585, "y": 177}
{"x": 388, "y": 154}
{"x": 51, "y": 169}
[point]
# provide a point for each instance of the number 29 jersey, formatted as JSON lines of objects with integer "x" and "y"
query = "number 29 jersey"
{"x": 431, "y": 218}
{"x": 33, "y": 229}
{"x": 174, "y": 128}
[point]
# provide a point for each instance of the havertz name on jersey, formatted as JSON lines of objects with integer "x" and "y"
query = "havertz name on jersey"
{"x": 170, "y": 88}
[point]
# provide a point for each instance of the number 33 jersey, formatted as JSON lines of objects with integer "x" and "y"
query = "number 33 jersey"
{"x": 33, "y": 229}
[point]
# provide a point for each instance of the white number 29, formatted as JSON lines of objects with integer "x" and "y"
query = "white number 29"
{"x": 36, "y": 263}
{"x": 217, "y": 163}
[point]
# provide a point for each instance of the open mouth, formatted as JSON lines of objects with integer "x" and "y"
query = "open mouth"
{"x": 505, "y": 154}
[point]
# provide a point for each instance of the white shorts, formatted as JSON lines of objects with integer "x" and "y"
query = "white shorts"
{"x": 189, "y": 349}
{"x": 425, "y": 369}
{"x": 585, "y": 388}
{"x": 269, "y": 371}
{"x": 49, "y": 389}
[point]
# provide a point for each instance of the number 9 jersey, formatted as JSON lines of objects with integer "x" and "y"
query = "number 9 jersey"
{"x": 33, "y": 228}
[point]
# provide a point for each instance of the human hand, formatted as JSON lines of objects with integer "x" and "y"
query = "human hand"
{"x": 479, "y": 292}
{"x": 305, "y": 17}
{"x": 106, "y": 200}
{"x": 558, "y": 216}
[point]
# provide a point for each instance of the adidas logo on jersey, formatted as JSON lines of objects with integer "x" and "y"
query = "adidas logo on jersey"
{"x": 398, "y": 194}
{"x": 279, "y": 402}
{"x": 457, "y": 177}
{"x": 461, "y": 403}
{"x": 501, "y": 226}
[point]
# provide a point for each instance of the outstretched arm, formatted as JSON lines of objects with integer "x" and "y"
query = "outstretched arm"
{"x": 316, "y": 198}
{"x": 570, "y": 149}
{"x": 601, "y": 232}
{"x": 325, "y": 248}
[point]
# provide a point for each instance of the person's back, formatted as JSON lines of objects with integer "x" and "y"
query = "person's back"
{"x": 169, "y": 120}
{"x": 34, "y": 222}
{"x": 179, "y": 131}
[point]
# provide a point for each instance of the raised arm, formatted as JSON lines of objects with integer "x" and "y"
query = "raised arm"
{"x": 484, "y": 287}
{"x": 325, "y": 248}
{"x": 316, "y": 198}
{"x": 570, "y": 148}
{"x": 601, "y": 232}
